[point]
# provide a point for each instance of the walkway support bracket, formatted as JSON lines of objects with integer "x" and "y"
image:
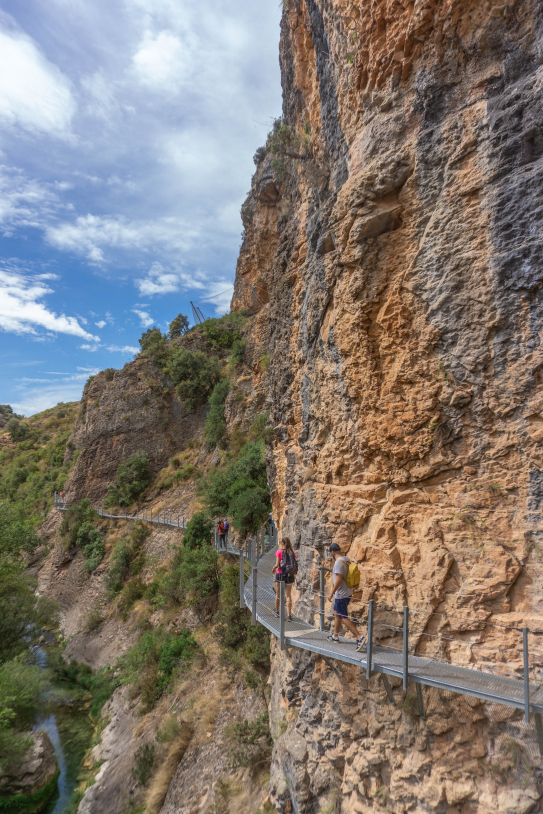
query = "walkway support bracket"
{"x": 539, "y": 730}
{"x": 405, "y": 646}
{"x": 420, "y": 700}
{"x": 241, "y": 580}
{"x": 281, "y": 616}
{"x": 255, "y": 588}
{"x": 388, "y": 689}
{"x": 370, "y": 640}
{"x": 321, "y": 597}
{"x": 526, "y": 675}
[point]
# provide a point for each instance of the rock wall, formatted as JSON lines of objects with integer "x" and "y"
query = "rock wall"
{"x": 399, "y": 265}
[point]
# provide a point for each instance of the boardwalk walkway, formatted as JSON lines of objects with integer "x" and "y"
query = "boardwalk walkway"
{"x": 257, "y": 594}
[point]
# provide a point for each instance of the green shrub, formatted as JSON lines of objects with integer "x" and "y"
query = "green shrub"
{"x": 100, "y": 684}
{"x": 178, "y": 326}
{"x": 215, "y": 427}
{"x": 153, "y": 344}
{"x": 238, "y": 351}
{"x": 150, "y": 664}
{"x": 240, "y": 490}
{"x": 252, "y": 742}
{"x": 145, "y": 760}
{"x": 260, "y": 155}
{"x": 187, "y": 472}
{"x": 91, "y": 542}
{"x": 134, "y": 589}
{"x": 192, "y": 577}
{"x": 133, "y": 476}
{"x": 221, "y": 333}
{"x": 195, "y": 375}
{"x": 127, "y": 559}
{"x": 231, "y": 630}
{"x": 22, "y": 695}
{"x": 109, "y": 373}
{"x": 199, "y": 530}
{"x": 258, "y": 648}
{"x": 18, "y": 430}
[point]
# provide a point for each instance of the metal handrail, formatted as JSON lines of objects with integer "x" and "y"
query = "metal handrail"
{"x": 515, "y": 692}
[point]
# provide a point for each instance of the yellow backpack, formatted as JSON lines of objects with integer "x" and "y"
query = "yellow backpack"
{"x": 353, "y": 574}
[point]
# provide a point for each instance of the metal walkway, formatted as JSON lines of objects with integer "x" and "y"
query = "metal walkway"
{"x": 258, "y": 595}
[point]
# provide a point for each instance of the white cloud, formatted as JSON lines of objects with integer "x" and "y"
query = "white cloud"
{"x": 33, "y": 93}
{"x": 101, "y": 324}
{"x": 24, "y": 200}
{"x": 21, "y": 309}
{"x": 125, "y": 349}
{"x": 68, "y": 388}
{"x": 90, "y": 234}
{"x": 159, "y": 62}
{"x": 146, "y": 319}
{"x": 92, "y": 348}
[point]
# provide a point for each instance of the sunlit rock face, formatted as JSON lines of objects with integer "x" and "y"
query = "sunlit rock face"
{"x": 400, "y": 265}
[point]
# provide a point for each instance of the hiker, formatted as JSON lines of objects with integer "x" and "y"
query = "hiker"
{"x": 343, "y": 595}
{"x": 222, "y": 534}
{"x": 285, "y": 569}
{"x": 226, "y": 525}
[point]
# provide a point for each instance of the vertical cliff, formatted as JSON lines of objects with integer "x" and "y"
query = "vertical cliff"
{"x": 393, "y": 234}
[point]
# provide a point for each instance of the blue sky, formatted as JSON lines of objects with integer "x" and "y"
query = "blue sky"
{"x": 127, "y": 130}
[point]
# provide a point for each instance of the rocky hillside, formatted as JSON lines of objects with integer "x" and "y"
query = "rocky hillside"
{"x": 393, "y": 232}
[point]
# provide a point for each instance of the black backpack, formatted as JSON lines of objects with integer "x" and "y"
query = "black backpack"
{"x": 289, "y": 564}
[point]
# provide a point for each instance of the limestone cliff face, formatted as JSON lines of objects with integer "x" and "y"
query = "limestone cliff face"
{"x": 400, "y": 265}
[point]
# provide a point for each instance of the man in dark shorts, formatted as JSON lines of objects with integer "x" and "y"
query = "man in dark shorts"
{"x": 342, "y": 594}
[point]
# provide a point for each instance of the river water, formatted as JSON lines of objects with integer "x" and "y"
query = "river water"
{"x": 70, "y": 729}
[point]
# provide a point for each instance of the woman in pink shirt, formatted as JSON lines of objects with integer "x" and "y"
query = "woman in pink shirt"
{"x": 285, "y": 570}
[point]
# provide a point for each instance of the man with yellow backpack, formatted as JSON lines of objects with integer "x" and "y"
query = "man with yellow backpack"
{"x": 346, "y": 577}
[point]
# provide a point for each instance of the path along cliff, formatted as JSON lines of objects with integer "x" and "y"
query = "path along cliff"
{"x": 393, "y": 231}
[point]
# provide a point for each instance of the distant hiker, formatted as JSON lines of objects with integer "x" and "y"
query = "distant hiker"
{"x": 285, "y": 569}
{"x": 222, "y": 534}
{"x": 343, "y": 594}
{"x": 226, "y": 525}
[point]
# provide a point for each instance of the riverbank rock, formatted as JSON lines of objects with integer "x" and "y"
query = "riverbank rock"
{"x": 27, "y": 787}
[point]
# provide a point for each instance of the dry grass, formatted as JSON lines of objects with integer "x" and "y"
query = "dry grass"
{"x": 161, "y": 781}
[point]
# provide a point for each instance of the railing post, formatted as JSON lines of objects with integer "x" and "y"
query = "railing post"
{"x": 370, "y": 639}
{"x": 177, "y": 521}
{"x": 526, "y": 675}
{"x": 281, "y": 616}
{"x": 321, "y": 596}
{"x": 255, "y": 587}
{"x": 405, "y": 644}
{"x": 241, "y": 580}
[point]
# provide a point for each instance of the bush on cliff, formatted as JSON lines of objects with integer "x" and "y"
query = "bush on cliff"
{"x": 127, "y": 559}
{"x": 195, "y": 375}
{"x": 215, "y": 427}
{"x": 199, "y": 530}
{"x": 240, "y": 490}
{"x": 133, "y": 476}
{"x": 23, "y": 615}
{"x": 22, "y": 696}
{"x": 225, "y": 331}
{"x": 79, "y": 531}
{"x": 153, "y": 344}
{"x": 150, "y": 665}
{"x": 178, "y": 326}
